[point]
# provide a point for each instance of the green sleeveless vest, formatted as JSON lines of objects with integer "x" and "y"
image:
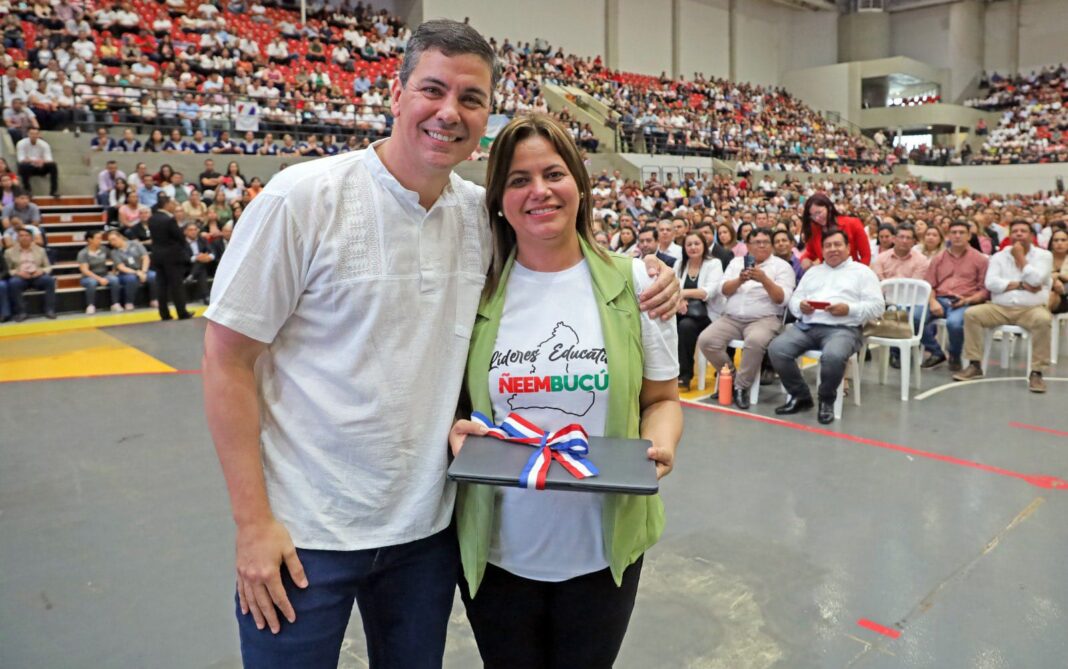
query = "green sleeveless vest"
{"x": 632, "y": 523}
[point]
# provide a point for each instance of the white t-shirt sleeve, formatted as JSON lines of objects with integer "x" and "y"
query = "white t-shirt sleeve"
{"x": 660, "y": 339}
{"x": 262, "y": 274}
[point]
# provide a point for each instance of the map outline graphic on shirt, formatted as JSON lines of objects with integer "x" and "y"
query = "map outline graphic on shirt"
{"x": 566, "y": 402}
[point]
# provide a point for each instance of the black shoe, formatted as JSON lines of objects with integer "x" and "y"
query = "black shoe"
{"x": 794, "y": 405}
{"x": 185, "y": 317}
{"x": 825, "y": 414}
{"x": 768, "y": 377}
{"x": 935, "y": 360}
{"x": 684, "y": 385}
{"x": 895, "y": 362}
{"x": 50, "y": 315}
{"x": 741, "y": 398}
{"x": 4, "y": 319}
{"x": 954, "y": 365}
{"x": 20, "y": 317}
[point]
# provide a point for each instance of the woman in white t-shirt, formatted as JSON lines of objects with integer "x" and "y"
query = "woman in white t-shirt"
{"x": 562, "y": 310}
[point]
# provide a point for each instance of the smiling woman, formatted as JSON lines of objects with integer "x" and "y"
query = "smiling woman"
{"x": 553, "y": 289}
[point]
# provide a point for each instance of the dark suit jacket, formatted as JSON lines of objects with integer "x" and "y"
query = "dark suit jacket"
{"x": 665, "y": 258}
{"x": 169, "y": 245}
{"x": 721, "y": 254}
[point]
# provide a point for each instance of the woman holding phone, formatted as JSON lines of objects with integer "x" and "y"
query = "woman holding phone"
{"x": 539, "y": 564}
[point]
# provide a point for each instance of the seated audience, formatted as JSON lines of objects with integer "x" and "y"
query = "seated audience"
{"x": 700, "y": 275}
{"x": 131, "y": 261}
{"x": 93, "y": 265}
{"x": 28, "y": 265}
{"x": 833, "y": 301}
{"x": 958, "y": 280}
{"x": 1058, "y": 295}
{"x": 1019, "y": 278}
{"x": 35, "y": 159}
{"x": 648, "y": 245}
{"x": 756, "y": 295}
{"x": 903, "y": 260}
{"x": 202, "y": 259}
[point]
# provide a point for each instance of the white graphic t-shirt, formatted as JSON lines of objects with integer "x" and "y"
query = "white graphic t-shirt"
{"x": 549, "y": 365}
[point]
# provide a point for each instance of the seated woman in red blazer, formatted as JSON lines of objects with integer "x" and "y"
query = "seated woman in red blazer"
{"x": 820, "y": 214}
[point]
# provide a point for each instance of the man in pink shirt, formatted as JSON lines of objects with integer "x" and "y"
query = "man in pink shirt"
{"x": 957, "y": 276}
{"x": 902, "y": 261}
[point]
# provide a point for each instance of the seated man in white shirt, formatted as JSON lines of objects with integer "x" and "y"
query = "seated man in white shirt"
{"x": 832, "y": 303}
{"x": 35, "y": 159}
{"x": 666, "y": 238}
{"x": 1019, "y": 278}
{"x": 756, "y": 297}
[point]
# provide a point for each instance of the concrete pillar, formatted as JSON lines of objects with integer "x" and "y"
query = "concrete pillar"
{"x": 611, "y": 34}
{"x": 864, "y": 36}
{"x": 676, "y": 38}
{"x": 732, "y": 40}
{"x": 965, "y": 46}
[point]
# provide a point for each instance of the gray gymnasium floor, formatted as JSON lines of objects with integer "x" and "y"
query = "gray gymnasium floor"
{"x": 116, "y": 541}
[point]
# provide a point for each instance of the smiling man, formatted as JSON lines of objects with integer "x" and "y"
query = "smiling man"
{"x": 339, "y": 326}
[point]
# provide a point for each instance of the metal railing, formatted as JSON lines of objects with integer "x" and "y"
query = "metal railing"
{"x": 106, "y": 105}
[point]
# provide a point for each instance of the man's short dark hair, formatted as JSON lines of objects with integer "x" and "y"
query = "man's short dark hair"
{"x": 652, "y": 229}
{"x": 785, "y": 233}
{"x": 959, "y": 223}
{"x": 891, "y": 228}
{"x": 1020, "y": 221}
{"x": 835, "y": 232}
{"x": 451, "y": 38}
{"x": 758, "y": 231}
{"x": 909, "y": 227}
{"x": 16, "y": 191}
{"x": 163, "y": 200}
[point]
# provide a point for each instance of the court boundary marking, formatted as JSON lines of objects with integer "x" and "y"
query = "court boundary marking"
{"x": 1045, "y": 481}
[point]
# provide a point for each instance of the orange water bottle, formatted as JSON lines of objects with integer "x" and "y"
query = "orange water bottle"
{"x": 726, "y": 386}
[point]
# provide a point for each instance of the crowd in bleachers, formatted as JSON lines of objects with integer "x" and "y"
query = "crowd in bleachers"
{"x": 913, "y": 231}
{"x": 186, "y": 64}
{"x": 1034, "y": 117}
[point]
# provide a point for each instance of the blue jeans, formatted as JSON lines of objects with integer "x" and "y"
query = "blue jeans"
{"x": 90, "y": 285}
{"x": 954, "y": 327}
{"x": 405, "y": 594}
{"x": 130, "y": 283}
{"x": 5, "y": 303}
{"x": 45, "y": 282}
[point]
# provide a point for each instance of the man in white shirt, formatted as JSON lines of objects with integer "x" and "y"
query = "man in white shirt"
{"x": 666, "y": 238}
{"x": 340, "y": 319}
{"x": 1019, "y": 278}
{"x": 832, "y": 303}
{"x": 35, "y": 159}
{"x": 756, "y": 297}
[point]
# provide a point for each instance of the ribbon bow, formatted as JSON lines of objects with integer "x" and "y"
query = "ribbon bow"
{"x": 569, "y": 445}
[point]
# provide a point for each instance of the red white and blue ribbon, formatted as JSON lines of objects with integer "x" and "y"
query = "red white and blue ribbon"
{"x": 569, "y": 445}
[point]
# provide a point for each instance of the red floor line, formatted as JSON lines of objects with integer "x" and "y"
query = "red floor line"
{"x": 103, "y": 376}
{"x": 876, "y": 627}
{"x": 1036, "y": 428}
{"x": 1037, "y": 480}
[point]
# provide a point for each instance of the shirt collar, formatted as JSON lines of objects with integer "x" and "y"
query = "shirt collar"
{"x": 386, "y": 179}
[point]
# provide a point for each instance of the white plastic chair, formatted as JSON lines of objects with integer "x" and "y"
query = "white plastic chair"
{"x": 907, "y": 295}
{"x": 1055, "y": 336}
{"x": 839, "y": 400}
{"x": 1008, "y": 345}
{"x": 702, "y": 371}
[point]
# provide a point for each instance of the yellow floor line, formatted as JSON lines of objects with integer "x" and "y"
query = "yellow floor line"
{"x": 82, "y": 353}
{"x": 67, "y": 323}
